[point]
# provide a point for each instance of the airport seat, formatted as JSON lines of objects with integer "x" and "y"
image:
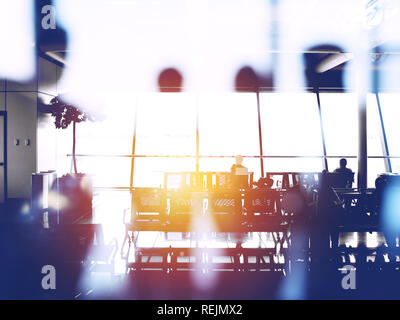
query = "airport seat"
{"x": 225, "y": 208}
{"x": 183, "y": 207}
{"x": 262, "y": 206}
{"x": 148, "y": 204}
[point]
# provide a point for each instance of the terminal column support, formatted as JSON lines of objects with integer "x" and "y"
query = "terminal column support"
{"x": 362, "y": 141}
{"x": 325, "y": 160}
{"x": 260, "y": 134}
{"x": 362, "y": 63}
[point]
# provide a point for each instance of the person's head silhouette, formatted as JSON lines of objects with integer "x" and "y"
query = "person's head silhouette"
{"x": 343, "y": 163}
{"x": 239, "y": 160}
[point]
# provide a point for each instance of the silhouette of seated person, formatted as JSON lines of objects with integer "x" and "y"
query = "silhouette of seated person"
{"x": 347, "y": 174}
{"x": 239, "y": 174}
{"x": 264, "y": 183}
{"x": 342, "y": 167}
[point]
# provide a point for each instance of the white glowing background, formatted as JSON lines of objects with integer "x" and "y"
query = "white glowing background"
{"x": 17, "y": 55}
{"x": 130, "y": 42}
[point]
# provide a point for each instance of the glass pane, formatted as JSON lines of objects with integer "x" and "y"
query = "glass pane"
{"x": 290, "y": 124}
{"x": 114, "y": 133}
{"x": 340, "y": 122}
{"x": 228, "y": 124}
{"x": 166, "y": 124}
{"x": 390, "y": 105}
{"x": 149, "y": 172}
{"x": 293, "y": 165}
{"x": 396, "y": 165}
{"x": 106, "y": 171}
{"x": 375, "y": 167}
{"x": 63, "y": 148}
{"x": 105, "y": 137}
{"x": 111, "y": 136}
{"x": 373, "y": 127}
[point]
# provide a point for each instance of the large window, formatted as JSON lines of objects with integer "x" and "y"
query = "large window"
{"x": 291, "y": 127}
{"x": 228, "y": 126}
{"x": 390, "y": 104}
{"x": 340, "y": 121}
{"x": 103, "y": 142}
{"x": 149, "y": 172}
{"x": 166, "y": 126}
{"x": 166, "y": 136}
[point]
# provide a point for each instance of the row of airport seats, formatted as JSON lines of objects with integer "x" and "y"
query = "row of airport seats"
{"x": 212, "y": 181}
{"x": 183, "y": 202}
{"x": 289, "y": 199}
{"x": 180, "y": 207}
{"x": 351, "y": 210}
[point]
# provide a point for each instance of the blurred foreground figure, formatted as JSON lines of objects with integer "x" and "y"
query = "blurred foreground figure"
{"x": 387, "y": 197}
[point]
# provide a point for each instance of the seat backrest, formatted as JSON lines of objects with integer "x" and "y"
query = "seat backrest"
{"x": 149, "y": 200}
{"x": 185, "y": 203}
{"x": 225, "y": 202}
{"x": 223, "y": 180}
{"x": 308, "y": 179}
{"x": 281, "y": 179}
{"x": 340, "y": 180}
{"x": 260, "y": 200}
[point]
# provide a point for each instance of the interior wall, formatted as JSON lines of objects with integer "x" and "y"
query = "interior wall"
{"x": 31, "y": 135}
{"x": 21, "y": 107}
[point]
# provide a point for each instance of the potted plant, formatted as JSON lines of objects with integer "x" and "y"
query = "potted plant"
{"x": 74, "y": 190}
{"x": 64, "y": 114}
